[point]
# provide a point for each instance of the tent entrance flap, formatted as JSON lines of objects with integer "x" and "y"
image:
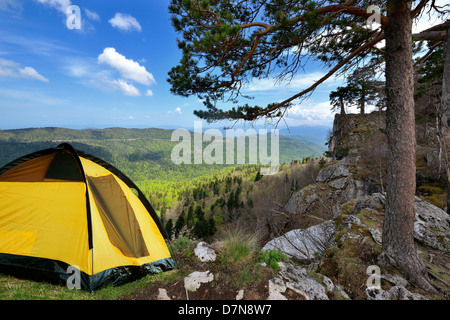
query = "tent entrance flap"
{"x": 117, "y": 216}
{"x": 64, "y": 167}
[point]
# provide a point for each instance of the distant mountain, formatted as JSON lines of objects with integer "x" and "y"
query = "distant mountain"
{"x": 315, "y": 134}
{"x": 141, "y": 153}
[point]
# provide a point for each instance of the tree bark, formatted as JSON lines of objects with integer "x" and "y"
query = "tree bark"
{"x": 445, "y": 112}
{"x": 399, "y": 248}
{"x": 363, "y": 97}
{"x": 342, "y": 105}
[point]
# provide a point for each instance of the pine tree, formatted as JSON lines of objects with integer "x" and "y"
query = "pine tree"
{"x": 190, "y": 216}
{"x": 179, "y": 224}
{"x": 258, "y": 176}
{"x": 245, "y": 40}
{"x": 169, "y": 228}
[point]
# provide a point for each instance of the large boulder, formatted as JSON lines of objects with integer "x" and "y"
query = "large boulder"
{"x": 334, "y": 186}
{"x": 333, "y": 171}
{"x": 432, "y": 225}
{"x": 300, "y": 281}
{"x": 305, "y": 243}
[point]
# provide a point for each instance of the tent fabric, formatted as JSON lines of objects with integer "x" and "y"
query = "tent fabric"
{"x": 62, "y": 208}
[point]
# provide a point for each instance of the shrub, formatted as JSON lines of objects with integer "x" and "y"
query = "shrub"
{"x": 239, "y": 245}
{"x": 272, "y": 257}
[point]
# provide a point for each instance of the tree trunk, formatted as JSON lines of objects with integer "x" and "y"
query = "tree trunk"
{"x": 445, "y": 112}
{"x": 398, "y": 226}
{"x": 363, "y": 97}
{"x": 342, "y": 105}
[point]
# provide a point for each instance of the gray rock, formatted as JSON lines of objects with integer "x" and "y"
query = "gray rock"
{"x": 395, "y": 280}
{"x": 403, "y": 294}
{"x": 162, "y": 294}
{"x": 394, "y": 293}
{"x": 432, "y": 225}
{"x": 357, "y": 189}
{"x": 297, "y": 279}
{"x": 338, "y": 183}
{"x": 305, "y": 243}
{"x": 341, "y": 292}
{"x": 328, "y": 283}
{"x": 276, "y": 288}
{"x": 349, "y": 235}
{"x": 301, "y": 201}
{"x": 376, "y": 293}
{"x": 376, "y": 235}
{"x": 204, "y": 253}
{"x": 374, "y": 201}
{"x": 240, "y": 295}
{"x": 349, "y": 221}
{"x": 193, "y": 281}
{"x": 333, "y": 171}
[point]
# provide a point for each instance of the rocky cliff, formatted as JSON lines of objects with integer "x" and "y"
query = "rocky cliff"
{"x": 334, "y": 255}
{"x": 350, "y": 191}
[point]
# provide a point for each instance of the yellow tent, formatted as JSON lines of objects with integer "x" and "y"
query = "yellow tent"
{"x": 60, "y": 207}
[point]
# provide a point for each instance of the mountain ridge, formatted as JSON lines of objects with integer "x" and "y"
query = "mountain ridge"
{"x": 34, "y": 138}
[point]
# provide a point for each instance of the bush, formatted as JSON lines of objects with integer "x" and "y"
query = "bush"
{"x": 239, "y": 245}
{"x": 181, "y": 243}
{"x": 272, "y": 257}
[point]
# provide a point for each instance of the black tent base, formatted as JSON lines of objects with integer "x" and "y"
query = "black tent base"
{"x": 57, "y": 272}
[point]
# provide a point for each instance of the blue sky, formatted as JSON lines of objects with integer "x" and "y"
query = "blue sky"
{"x": 112, "y": 71}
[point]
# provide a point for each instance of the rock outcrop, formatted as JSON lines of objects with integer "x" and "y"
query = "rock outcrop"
{"x": 431, "y": 225}
{"x": 305, "y": 243}
{"x": 349, "y": 188}
{"x": 334, "y": 259}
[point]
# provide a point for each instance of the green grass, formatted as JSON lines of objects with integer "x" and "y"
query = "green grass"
{"x": 12, "y": 288}
{"x": 240, "y": 245}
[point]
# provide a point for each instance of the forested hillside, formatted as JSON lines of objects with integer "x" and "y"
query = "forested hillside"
{"x": 145, "y": 156}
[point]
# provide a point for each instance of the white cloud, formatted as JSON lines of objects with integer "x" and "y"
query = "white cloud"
{"x": 310, "y": 113}
{"x": 12, "y": 69}
{"x": 92, "y": 15}
{"x": 427, "y": 20}
{"x": 13, "y": 7}
{"x": 176, "y": 111}
{"x": 60, "y": 5}
{"x": 85, "y": 68}
{"x": 129, "y": 69}
{"x": 31, "y": 73}
{"x": 124, "y": 87}
{"x": 91, "y": 72}
{"x": 125, "y": 22}
{"x": 77, "y": 70}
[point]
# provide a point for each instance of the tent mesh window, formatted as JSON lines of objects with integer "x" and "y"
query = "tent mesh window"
{"x": 117, "y": 216}
{"x": 64, "y": 167}
{"x": 57, "y": 166}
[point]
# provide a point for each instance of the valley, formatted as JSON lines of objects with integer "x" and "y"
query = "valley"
{"x": 173, "y": 189}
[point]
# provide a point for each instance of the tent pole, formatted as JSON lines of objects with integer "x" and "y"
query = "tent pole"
{"x": 92, "y": 254}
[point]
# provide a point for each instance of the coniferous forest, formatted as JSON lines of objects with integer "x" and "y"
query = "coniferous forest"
{"x": 194, "y": 198}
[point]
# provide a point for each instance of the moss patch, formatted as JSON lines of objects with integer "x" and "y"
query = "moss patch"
{"x": 349, "y": 207}
{"x": 346, "y": 264}
{"x": 434, "y": 194}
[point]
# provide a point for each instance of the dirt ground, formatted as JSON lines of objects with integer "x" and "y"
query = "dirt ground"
{"x": 230, "y": 277}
